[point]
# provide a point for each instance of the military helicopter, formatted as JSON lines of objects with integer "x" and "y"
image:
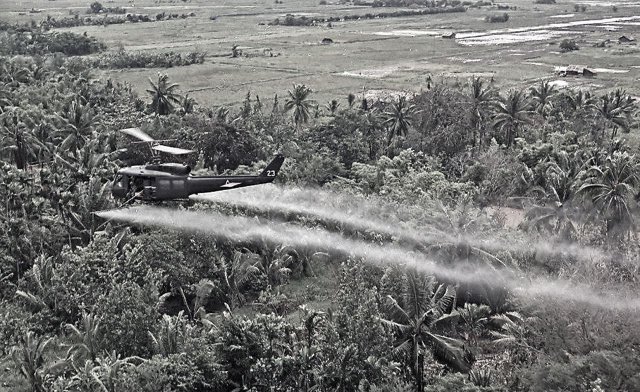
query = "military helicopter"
{"x": 158, "y": 181}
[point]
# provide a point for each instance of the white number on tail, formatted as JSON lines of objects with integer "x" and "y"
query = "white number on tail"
{"x": 271, "y": 173}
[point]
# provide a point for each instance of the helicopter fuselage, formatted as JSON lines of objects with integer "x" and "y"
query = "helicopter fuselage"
{"x": 168, "y": 181}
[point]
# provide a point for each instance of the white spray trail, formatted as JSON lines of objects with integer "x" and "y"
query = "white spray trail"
{"x": 364, "y": 215}
{"x": 242, "y": 228}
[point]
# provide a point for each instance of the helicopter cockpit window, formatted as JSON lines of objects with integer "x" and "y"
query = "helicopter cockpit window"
{"x": 138, "y": 184}
{"x": 119, "y": 181}
{"x": 164, "y": 183}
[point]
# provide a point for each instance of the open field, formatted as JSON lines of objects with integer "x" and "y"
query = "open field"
{"x": 378, "y": 54}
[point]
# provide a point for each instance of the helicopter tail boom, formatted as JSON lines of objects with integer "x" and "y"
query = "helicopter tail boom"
{"x": 273, "y": 167}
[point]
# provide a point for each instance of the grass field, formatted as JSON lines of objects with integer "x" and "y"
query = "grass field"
{"x": 375, "y": 55}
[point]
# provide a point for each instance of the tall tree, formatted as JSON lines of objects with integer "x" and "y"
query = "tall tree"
{"x": 423, "y": 307}
{"x": 612, "y": 188}
{"x": 541, "y": 97}
{"x": 398, "y": 118}
{"x": 333, "y": 106}
{"x": 615, "y": 109}
{"x": 79, "y": 118}
{"x": 300, "y": 103}
{"x": 187, "y": 104}
{"x": 163, "y": 95}
{"x": 482, "y": 97}
{"x": 511, "y": 113}
{"x": 557, "y": 214}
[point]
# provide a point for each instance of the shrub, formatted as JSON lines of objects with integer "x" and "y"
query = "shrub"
{"x": 568, "y": 45}
{"x": 175, "y": 372}
{"x": 37, "y": 43}
{"x": 95, "y": 7}
{"x": 291, "y": 20}
{"x": 13, "y": 326}
{"x": 458, "y": 382}
{"x": 497, "y": 18}
{"x": 124, "y": 59}
{"x": 127, "y": 314}
{"x": 615, "y": 370}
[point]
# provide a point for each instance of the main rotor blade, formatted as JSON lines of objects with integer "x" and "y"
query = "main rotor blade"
{"x": 138, "y": 134}
{"x": 171, "y": 150}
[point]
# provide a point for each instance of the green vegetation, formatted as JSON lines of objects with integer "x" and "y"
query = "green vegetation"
{"x": 15, "y": 42}
{"x": 567, "y": 45}
{"x": 76, "y": 20}
{"x": 122, "y": 59}
{"x": 292, "y": 20}
{"x": 497, "y": 18}
{"x": 92, "y": 305}
{"x": 97, "y": 8}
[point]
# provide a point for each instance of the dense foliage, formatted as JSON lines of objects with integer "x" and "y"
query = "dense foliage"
{"x": 91, "y": 305}
{"x": 122, "y": 59}
{"x": 105, "y": 20}
{"x": 292, "y": 20}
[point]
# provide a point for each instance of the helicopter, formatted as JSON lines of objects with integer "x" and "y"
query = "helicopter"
{"x": 157, "y": 181}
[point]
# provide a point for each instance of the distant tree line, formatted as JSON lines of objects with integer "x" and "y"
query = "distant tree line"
{"x": 74, "y": 21}
{"x": 406, "y": 3}
{"x": 292, "y": 20}
{"x": 97, "y": 8}
{"x": 122, "y": 59}
{"x": 37, "y": 42}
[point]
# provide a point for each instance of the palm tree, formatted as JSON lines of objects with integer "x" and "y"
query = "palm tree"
{"x": 364, "y": 104}
{"x": 514, "y": 333}
{"x": 475, "y": 318}
{"x": 423, "y": 307}
{"x": 300, "y": 103}
{"x": 29, "y": 357}
{"x": 561, "y": 186}
{"x": 351, "y": 99}
{"x": 612, "y": 189}
{"x": 88, "y": 340}
{"x": 109, "y": 372}
{"x": 615, "y": 109}
{"x": 578, "y": 101}
{"x": 187, "y": 104}
{"x": 399, "y": 118}
{"x": 172, "y": 334}
{"x": 511, "y": 113}
{"x": 541, "y": 97}
{"x": 16, "y": 72}
{"x": 332, "y": 106}
{"x": 452, "y": 228}
{"x": 235, "y": 272}
{"x": 481, "y": 98}
{"x": 275, "y": 263}
{"x": 5, "y": 96}
{"x": 79, "y": 118}
{"x": 16, "y": 128}
{"x": 163, "y": 95}
{"x": 222, "y": 114}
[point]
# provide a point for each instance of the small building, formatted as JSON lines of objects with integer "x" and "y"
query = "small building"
{"x": 625, "y": 39}
{"x": 327, "y": 41}
{"x": 450, "y": 35}
{"x": 575, "y": 70}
